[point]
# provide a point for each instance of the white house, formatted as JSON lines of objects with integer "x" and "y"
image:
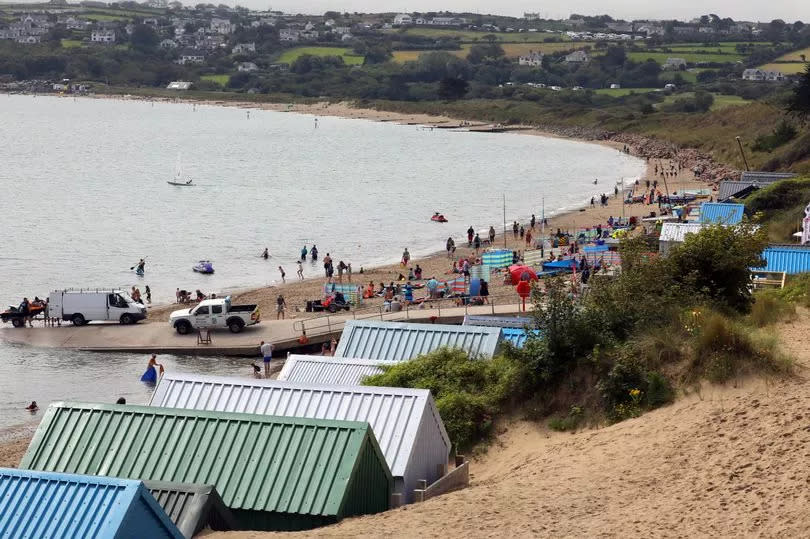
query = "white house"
{"x": 289, "y": 35}
{"x": 247, "y": 67}
{"x": 178, "y": 85}
{"x": 576, "y": 57}
{"x": 168, "y": 44}
{"x": 102, "y": 36}
{"x": 760, "y": 75}
{"x": 72, "y": 23}
{"x": 448, "y": 21}
{"x": 191, "y": 57}
{"x": 533, "y": 59}
{"x": 221, "y": 26}
{"x": 674, "y": 63}
{"x": 403, "y": 19}
{"x": 244, "y": 48}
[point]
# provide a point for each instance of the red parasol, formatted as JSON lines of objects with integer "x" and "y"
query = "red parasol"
{"x": 522, "y": 273}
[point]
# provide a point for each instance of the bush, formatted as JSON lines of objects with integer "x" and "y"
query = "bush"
{"x": 782, "y": 134}
{"x": 571, "y": 421}
{"x": 769, "y": 308}
{"x": 797, "y": 289}
{"x": 469, "y": 392}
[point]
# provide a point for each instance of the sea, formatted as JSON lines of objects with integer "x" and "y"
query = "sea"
{"x": 85, "y": 196}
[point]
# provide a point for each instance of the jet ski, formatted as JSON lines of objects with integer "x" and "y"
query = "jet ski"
{"x": 204, "y": 266}
{"x": 438, "y": 218}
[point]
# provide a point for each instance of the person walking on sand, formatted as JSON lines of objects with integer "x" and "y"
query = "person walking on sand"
{"x": 470, "y": 234}
{"x": 477, "y": 243}
{"x": 281, "y": 306}
{"x": 266, "y": 350}
{"x": 406, "y": 257}
{"x": 528, "y": 238}
{"x": 281, "y": 270}
{"x": 515, "y": 228}
{"x": 522, "y": 231}
{"x": 300, "y": 271}
{"x": 491, "y": 235}
{"x": 450, "y": 245}
{"x": 533, "y": 221}
{"x": 341, "y": 269}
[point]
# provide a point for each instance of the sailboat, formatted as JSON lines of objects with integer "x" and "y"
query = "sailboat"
{"x": 179, "y": 180}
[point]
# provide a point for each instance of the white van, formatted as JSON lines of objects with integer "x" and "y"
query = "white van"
{"x": 84, "y": 305}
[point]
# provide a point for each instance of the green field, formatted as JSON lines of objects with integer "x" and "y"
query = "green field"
{"x": 720, "y": 101}
{"x": 71, "y": 43}
{"x": 692, "y": 57}
{"x": 511, "y": 50}
{"x": 222, "y": 80}
{"x": 688, "y": 76}
{"x": 621, "y": 92}
{"x": 788, "y": 68}
{"x": 468, "y": 35}
{"x": 291, "y": 55}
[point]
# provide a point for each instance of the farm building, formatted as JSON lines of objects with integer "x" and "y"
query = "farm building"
{"x": 721, "y": 214}
{"x": 320, "y": 471}
{"x": 58, "y": 505}
{"x": 338, "y": 371}
{"x": 192, "y": 507}
{"x": 406, "y": 423}
{"x": 396, "y": 341}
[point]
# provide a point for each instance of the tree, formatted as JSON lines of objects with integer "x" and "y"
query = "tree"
{"x": 776, "y": 30}
{"x": 144, "y": 39}
{"x": 799, "y": 102}
{"x": 453, "y": 88}
{"x": 480, "y": 53}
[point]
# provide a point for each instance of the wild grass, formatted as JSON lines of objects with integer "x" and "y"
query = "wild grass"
{"x": 770, "y": 307}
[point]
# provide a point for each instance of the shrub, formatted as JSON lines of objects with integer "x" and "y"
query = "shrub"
{"x": 770, "y": 307}
{"x": 782, "y": 134}
{"x": 469, "y": 392}
{"x": 571, "y": 421}
{"x": 797, "y": 289}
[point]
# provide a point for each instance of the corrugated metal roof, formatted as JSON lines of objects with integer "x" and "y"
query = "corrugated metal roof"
{"x": 192, "y": 507}
{"x": 730, "y": 188}
{"x": 257, "y": 462}
{"x": 765, "y": 177}
{"x": 720, "y": 213}
{"x": 396, "y": 341}
{"x": 517, "y": 337}
{"x": 791, "y": 260}
{"x": 57, "y": 505}
{"x": 678, "y": 231}
{"x": 339, "y": 371}
{"x": 398, "y": 416}
{"x": 497, "y": 321}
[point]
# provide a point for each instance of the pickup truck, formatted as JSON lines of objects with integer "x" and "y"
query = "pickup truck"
{"x": 215, "y": 313}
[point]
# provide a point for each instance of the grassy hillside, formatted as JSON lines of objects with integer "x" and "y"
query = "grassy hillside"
{"x": 349, "y": 58}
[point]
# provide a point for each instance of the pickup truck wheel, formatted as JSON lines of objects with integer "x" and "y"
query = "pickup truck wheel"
{"x": 78, "y": 320}
{"x": 17, "y": 322}
{"x": 127, "y": 319}
{"x": 236, "y": 325}
{"x": 183, "y": 327}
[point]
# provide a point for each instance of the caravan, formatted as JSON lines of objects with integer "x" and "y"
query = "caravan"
{"x": 84, "y": 305}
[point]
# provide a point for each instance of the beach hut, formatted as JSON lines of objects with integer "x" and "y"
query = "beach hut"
{"x": 517, "y": 337}
{"x": 398, "y": 341}
{"x": 791, "y": 259}
{"x": 497, "y": 321}
{"x": 273, "y": 473}
{"x": 674, "y": 233}
{"x": 406, "y": 423}
{"x": 719, "y": 213}
{"x": 338, "y": 371}
{"x": 192, "y": 507}
{"x": 58, "y": 505}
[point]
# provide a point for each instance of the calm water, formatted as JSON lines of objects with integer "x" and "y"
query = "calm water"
{"x": 85, "y": 196}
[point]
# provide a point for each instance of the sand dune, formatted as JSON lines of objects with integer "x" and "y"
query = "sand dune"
{"x": 729, "y": 461}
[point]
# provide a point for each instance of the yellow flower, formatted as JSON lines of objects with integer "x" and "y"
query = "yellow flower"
{"x": 635, "y": 393}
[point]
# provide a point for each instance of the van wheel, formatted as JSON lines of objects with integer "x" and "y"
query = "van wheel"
{"x": 17, "y": 322}
{"x": 78, "y": 320}
{"x": 183, "y": 327}
{"x": 127, "y": 319}
{"x": 236, "y": 325}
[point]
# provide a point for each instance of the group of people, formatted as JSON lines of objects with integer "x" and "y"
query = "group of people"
{"x": 329, "y": 269}
{"x": 184, "y": 296}
{"x": 136, "y": 296}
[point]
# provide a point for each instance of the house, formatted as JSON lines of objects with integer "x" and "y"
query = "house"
{"x": 675, "y": 63}
{"x": 102, "y": 36}
{"x": 620, "y": 26}
{"x": 402, "y": 19}
{"x": 340, "y": 30}
{"x": 534, "y": 59}
{"x": 406, "y": 422}
{"x": 222, "y": 26}
{"x": 615, "y": 86}
{"x": 247, "y": 67}
{"x": 309, "y": 35}
{"x": 289, "y": 35}
{"x": 244, "y": 48}
{"x": 760, "y": 75}
{"x": 167, "y": 44}
{"x": 29, "y": 40}
{"x": 448, "y": 21}
{"x": 191, "y": 57}
{"x": 179, "y": 85}
{"x": 576, "y": 57}
{"x": 258, "y": 463}
{"x": 72, "y": 23}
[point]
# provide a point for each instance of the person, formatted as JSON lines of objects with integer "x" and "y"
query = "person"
{"x": 484, "y": 291}
{"x": 148, "y": 292}
{"x": 491, "y": 234}
{"x": 304, "y": 252}
{"x": 592, "y": 202}
{"x": 349, "y": 271}
{"x": 332, "y": 346}
{"x": 411, "y": 276}
{"x": 121, "y": 400}
{"x": 529, "y": 238}
{"x": 432, "y": 286}
{"x": 200, "y": 295}
{"x": 449, "y": 245}
{"x": 406, "y": 257}
{"x": 151, "y": 374}
{"x": 325, "y": 349}
{"x": 300, "y": 271}
{"x": 465, "y": 268}
{"x": 533, "y": 221}
{"x": 266, "y": 350}
{"x": 401, "y": 278}
{"x": 477, "y": 243}
{"x": 281, "y": 270}
{"x": 177, "y": 295}
{"x": 515, "y": 229}
{"x": 408, "y": 292}
{"x": 265, "y": 254}
{"x": 136, "y": 295}
{"x": 522, "y": 231}
{"x": 33, "y": 407}
{"x": 341, "y": 270}
{"x": 596, "y": 181}
{"x": 369, "y": 291}
{"x": 327, "y": 261}
{"x": 314, "y": 252}
{"x": 281, "y": 305}
{"x": 141, "y": 267}
{"x": 257, "y": 371}
{"x": 417, "y": 273}
{"x": 388, "y": 298}
{"x": 25, "y": 310}
{"x": 470, "y": 234}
